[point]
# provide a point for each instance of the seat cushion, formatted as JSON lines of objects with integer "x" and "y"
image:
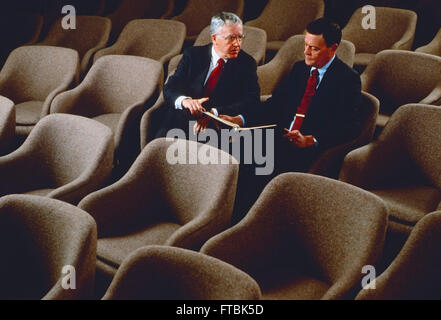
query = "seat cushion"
{"x": 109, "y": 119}
{"x": 363, "y": 59}
{"x": 410, "y": 204}
{"x": 28, "y": 113}
{"x": 285, "y": 285}
{"x": 114, "y": 250}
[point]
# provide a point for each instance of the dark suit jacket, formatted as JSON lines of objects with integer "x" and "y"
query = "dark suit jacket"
{"x": 333, "y": 114}
{"x": 236, "y": 92}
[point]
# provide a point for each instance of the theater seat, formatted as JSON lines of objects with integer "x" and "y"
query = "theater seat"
{"x": 168, "y": 273}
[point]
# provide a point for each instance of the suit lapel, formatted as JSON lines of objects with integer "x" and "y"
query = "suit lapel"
{"x": 202, "y": 73}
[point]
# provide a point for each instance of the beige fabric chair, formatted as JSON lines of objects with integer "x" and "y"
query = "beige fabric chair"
{"x": 394, "y": 29}
{"x": 415, "y": 272}
{"x": 271, "y": 74}
{"x": 157, "y": 202}
{"x": 306, "y": 237}
{"x": 32, "y": 76}
{"x": 398, "y": 77}
{"x": 282, "y": 19}
{"x": 90, "y": 35}
{"x": 151, "y": 38}
{"x": 433, "y": 47}
{"x": 7, "y": 124}
{"x": 138, "y": 9}
{"x": 254, "y": 44}
{"x": 151, "y": 121}
{"x": 197, "y": 14}
{"x": 39, "y": 237}
{"x": 156, "y": 273}
{"x": 65, "y": 157}
{"x": 329, "y": 163}
{"x": 116, "y": 92}
{"x": 403, "y": 166}
{"x": 20, "y": 29}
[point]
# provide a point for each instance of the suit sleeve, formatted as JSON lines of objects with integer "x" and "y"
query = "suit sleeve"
{"x": 178, "y": 82}
{"x": 345, "y": 121}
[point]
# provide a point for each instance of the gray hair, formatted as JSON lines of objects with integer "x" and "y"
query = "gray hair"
{"x": 222, "y": 19}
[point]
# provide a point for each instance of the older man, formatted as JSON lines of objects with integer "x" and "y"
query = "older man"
{"x": 219, "y": 78}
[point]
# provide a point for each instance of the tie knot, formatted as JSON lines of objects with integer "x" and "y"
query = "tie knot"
{"x": 220, "y": 62}
{"x": 315, "y": 73}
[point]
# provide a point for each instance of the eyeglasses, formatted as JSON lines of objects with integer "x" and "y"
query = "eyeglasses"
{"x": 231, "y": 38}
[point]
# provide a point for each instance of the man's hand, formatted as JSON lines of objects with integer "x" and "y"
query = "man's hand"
{"x": 201, "y": 124}
{"x": 299, "y": 140}
{"x": 194, "y": 105}
{"x": 237, "y": 119}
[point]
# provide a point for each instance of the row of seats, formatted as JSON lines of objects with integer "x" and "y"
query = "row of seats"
{"x": 306, "y": 237}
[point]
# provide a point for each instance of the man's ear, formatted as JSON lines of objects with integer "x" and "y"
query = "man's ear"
{"x": 213, "y": 37}
{"x": 334, "y": 47}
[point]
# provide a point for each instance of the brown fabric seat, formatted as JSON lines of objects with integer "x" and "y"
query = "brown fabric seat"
{"x": 306, "y": 237}
{"x": 168, "y": 273}
{"x": 282, "y": 19}
{"x": 91, "y": 33}
{"x": 46, "y": 236}
{"x": 116, "y": 92}
{"x": 129, "y": 10}
{"x": 157, "y": 202}
{"x": 433, "y": 47}
{"x": 157, "y": 39}
{"x": 329, "y": 163}
{"x": 197, "y": 14}
{"x": 402, "y": 166}
{"x": 394, "y": 29}
{"x": 271, "y": 74}
{"x": 7, "y": 124}
{"x": 32, "y": 76}
{"x": 65, "y": 157}
{"x": 415, "y": 272}
{"x": 394, "y": 86}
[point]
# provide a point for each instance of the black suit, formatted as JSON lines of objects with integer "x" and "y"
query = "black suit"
{"x": 332, "y": 117}
{"x": 237, "y": 90}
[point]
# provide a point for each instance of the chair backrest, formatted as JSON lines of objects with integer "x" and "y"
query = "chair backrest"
{"x": 70, "y": 146}
{"x": 270, "y": 75}
{"x": 90, "y": 32}
{"x": 412, "y": 135}
{"x": 325, "y": 227}
{"x": 282, "y": 19}
{"x": 135, "y": 9}
{"x": 195, "y": 178}
{"x": 42, "y": 241}
{"x": 394, "y": 29}
{"x": 394, "y": 85}
{"x": 415, "y": 272}
{"x": 204, "y": 10}
{"x": 116, "y": 82}
{"x": 7, "y": 124}
{"x": 155, "y": 272}
{"x": 254, "y": 43}
{"x": 433, "y": 47}
{"x": 33, "y": 72}
{"x": 150, "y": 38}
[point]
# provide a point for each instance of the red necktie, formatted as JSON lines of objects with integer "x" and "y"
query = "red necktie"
{"x": 214, "y": 77}
{"x": 304, "y": 103}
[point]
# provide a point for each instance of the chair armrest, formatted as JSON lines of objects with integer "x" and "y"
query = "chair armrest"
{"x": 434, "y": 97}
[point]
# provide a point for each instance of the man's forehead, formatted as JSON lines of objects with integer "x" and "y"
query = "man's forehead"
{"x": 231, "y": 29}
{"x": 314, "y": 39}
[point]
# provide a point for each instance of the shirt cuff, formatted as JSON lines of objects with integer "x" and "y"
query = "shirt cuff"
{"x": 178, "y": 102}
{"x": 215, "y": 112}
{"x": 315, "y": 142}
{"x": 243, "y": 120}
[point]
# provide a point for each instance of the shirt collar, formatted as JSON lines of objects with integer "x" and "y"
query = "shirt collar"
{"x": 323, "y": 69}
{"x": 215, "y": 57}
